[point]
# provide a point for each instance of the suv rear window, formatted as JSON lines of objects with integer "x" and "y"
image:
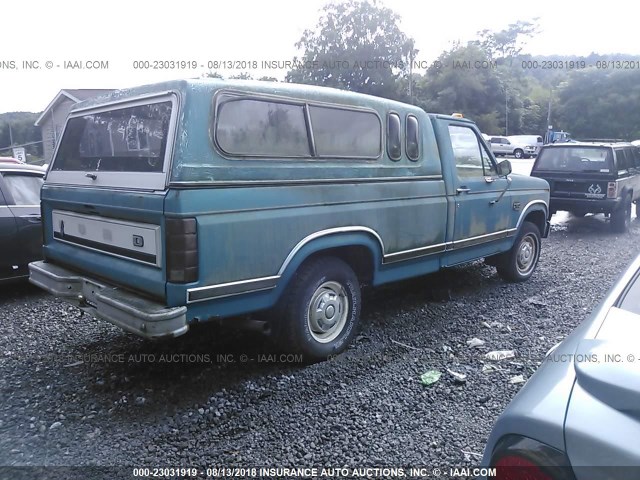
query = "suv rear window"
{"x": 131, "y": 139}
{"x": 575, "y": 159}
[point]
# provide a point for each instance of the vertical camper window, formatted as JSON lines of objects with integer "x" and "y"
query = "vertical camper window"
{"x": 412, "y": 138}
{"x": 394, "y": 149}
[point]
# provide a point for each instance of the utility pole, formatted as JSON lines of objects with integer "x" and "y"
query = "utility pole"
{"x": 10, "y": 135}
{"x": 506, "y": 112}
{"x": 411, "y": 76}
{"x": 549, "y": 110}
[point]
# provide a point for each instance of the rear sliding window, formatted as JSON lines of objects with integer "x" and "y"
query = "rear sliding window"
{"x": 345, "y": 133}
{"x": 254, "y": 127}
{"x": 132, "y": 139}
{"x": 576, "y": 159}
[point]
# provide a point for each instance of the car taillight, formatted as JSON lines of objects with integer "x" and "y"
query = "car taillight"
{"x": 516, "y": 458}
{"x": 612, "y": 190}
{"x": 514, "y": 467}
{"x": 181, "y": 250}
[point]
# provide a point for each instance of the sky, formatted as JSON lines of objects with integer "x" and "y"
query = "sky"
{"x": 118, "y": 37}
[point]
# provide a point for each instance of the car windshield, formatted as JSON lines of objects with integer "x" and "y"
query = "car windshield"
{"x": 24, "y": 188}
{"x": 575, "y": 159}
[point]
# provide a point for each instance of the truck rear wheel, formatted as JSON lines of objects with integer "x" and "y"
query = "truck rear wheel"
{"x": 519, "y": 263}
{"x": 319, "y": 313}
{"x": 621, "y": 218}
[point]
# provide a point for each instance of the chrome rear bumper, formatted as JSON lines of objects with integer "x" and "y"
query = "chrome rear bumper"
{"x": 125, "y": 309}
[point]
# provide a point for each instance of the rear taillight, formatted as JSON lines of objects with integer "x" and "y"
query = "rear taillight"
{"x": 612, "y": 190}
{"x": 514, "y": 467}
{"x": 516, "y": 458}
{"x": 181, "y": 250}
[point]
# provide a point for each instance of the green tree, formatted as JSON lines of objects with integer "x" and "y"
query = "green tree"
{"x": 452, "y": 84}
{"x": 242, "y": 76}
{"x": 357, "y": 45}
{"x": 598, "y": 103}
{"x": 507, "y": 43}
{"x": 212, "y": 74}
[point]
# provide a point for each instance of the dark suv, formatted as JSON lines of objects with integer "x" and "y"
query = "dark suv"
{"x": 592, "y": 178}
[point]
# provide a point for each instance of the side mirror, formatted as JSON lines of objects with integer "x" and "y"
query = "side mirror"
{"x": 504, "y": 168}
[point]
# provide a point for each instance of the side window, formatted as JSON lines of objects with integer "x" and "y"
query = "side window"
{"x": 466, "y": 151}
{"x": 25, "y": 189}
{"x": 413, "y": 138}
{"x": 264, "y": 128}
{"x": 340, "y": 132}
{"x": 394, "y": 149}
{"x": 495, "y": 140}
{"x": 490, "y": 169}
{"x": 632, "y": 157}
{"x": 621, "y": 160}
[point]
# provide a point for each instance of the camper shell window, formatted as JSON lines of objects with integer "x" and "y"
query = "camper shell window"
{"x": 264, "y": 127}
{"x": 131, "y": 139}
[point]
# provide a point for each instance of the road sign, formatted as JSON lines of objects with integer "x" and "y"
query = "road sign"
{"x": 20, "y": 154}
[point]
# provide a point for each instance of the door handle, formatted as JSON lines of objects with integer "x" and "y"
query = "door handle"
{"x": 463, "y": 190}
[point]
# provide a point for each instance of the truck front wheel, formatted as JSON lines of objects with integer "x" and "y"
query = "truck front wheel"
{"x": 319, "y": 314}
{"x": 519, "y": 263}
{"x": 518, "y": 153}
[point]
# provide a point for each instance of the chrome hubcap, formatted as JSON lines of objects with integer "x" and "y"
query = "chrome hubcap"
{"x": 527, "y": 254}
{"x": 328, "y": 312}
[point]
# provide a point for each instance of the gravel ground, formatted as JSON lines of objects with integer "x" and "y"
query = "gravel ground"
{"x": 77, "y": 391}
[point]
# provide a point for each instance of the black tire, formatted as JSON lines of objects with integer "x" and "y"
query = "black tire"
{"x": 621, "y": 218}
{"x": 331, "y": 285}
{"x": 578, "y": 214}
{"x": 518, "y": 153}
{"x": 519, "y": 263}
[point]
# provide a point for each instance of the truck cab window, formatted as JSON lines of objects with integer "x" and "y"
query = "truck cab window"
{"x": 466, "y": 151}
{"x": 490, "y": 169}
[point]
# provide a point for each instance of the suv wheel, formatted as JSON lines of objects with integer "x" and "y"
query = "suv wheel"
{"x": 519, "y": 263}
{"x": 518, "y": 153}
{"x": 319, "y": 314}
{"x": 621, "y": 218}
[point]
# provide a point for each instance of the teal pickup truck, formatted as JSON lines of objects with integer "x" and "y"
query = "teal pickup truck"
{"x": 187, "y": 201}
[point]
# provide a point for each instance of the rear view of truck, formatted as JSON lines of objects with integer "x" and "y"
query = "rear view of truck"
{"x": 105, "y": 233}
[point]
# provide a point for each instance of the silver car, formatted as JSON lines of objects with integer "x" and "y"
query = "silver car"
{"x": 508, "y": 146}
{"x": 578, "y": 416}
